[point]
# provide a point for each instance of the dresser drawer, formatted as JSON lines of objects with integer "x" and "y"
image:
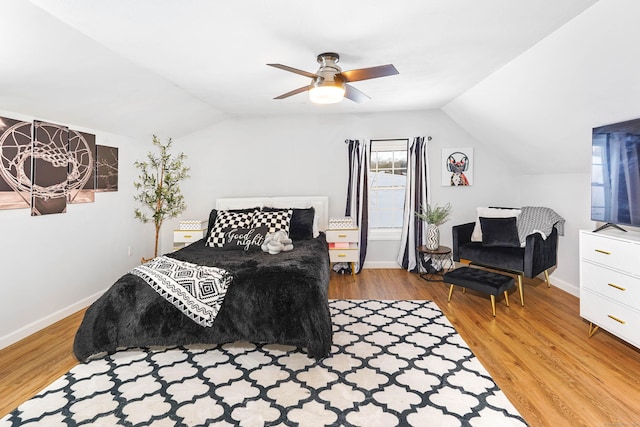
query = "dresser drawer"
{"x": 343, "y": 255}
{"x": 620, "y": 321}
{"x": 349, "y": 235}
{"x": 187, "y": 236}
{"x": 614, "y": 253}
{"x": 618, "y": 286}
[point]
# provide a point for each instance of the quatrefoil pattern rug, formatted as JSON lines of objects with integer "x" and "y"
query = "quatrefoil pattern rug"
{"x": 394, "y": 363}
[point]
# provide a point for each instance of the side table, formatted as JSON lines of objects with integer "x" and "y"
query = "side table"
{"x": 182, "y": 238}
{"x": 343, "y": 246}
{"x": 440, "y": 258}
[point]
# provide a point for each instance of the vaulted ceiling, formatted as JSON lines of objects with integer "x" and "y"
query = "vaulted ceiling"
{"x": 173, "y": 67}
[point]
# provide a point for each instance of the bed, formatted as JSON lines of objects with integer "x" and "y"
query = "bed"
{"x": 277, "y": 299}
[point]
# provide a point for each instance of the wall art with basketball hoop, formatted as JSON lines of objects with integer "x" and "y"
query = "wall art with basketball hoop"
{"x": 82, "y": 167}
{"x": 45, "y": 166}
{"x": 457, "y": 166}
{"x": 50, "y": 157}
{"x": 15, "y": 164}
{"x": 107, "y": 169}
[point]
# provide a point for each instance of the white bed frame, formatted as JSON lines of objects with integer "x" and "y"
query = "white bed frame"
{"x": 319, "y": 203}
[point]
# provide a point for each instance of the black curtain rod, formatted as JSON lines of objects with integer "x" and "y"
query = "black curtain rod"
{"x": 346, "y": 141}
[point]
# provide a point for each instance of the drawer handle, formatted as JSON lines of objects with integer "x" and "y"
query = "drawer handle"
{"x": 187, "y": 236}
{"x": 616, "y": 319}
{"x": 342, "y": 235}
{"x": 617, "y": 287}
{"x": 603, "y": 252}
{"x": 342, "y": 255}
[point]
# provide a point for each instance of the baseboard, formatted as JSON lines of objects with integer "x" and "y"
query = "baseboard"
{"x": 49, "y": 320}
{"x": 565, "y": 286}
{"x": 381, "y": 264}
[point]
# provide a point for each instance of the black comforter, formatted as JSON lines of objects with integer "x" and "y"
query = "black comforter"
{"x": 273, "y": 299}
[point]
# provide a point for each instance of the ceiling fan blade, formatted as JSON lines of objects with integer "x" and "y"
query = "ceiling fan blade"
{"x": 354, "y": 94}
{"x": 369, "y": 73}
{"x": 294, "y": 70}
{"x": 293, "y": 92}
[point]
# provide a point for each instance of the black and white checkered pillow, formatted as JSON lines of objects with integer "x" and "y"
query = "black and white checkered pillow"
{"x": 225, "y": 221}
{"x": 275, "y": 220}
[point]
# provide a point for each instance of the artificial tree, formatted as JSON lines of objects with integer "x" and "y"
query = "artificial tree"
{"x": 159, "y": 186}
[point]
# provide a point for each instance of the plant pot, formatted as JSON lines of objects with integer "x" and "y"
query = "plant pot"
{"x": 433, "y": 237}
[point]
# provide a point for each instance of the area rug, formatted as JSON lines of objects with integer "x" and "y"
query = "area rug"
{"x": 393, "y": 363}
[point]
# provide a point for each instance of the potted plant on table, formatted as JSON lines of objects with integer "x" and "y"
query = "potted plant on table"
{"x": 159, "y": 186}
{"x": 434, "y": 217}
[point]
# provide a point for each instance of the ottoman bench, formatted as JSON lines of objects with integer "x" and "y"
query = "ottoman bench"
{"x": 480, "y": 280}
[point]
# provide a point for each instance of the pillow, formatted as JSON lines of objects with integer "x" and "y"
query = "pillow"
{"x": 275, "y": 220}
{"x": 302, "y": 223}
{"x": 288, "y": 204}
{"x": 476, "y": 236}
{"x": 225, "y": 221}
{"x": 500, "y": 232}
{"x": 245, "y": 238}
{"x": 214, "y": 213}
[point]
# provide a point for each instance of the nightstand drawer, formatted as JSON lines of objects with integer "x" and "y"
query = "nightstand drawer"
{"x": 187, "y": 236}
{"x": 348, "y": 235}
{"x": 343, "y": 255}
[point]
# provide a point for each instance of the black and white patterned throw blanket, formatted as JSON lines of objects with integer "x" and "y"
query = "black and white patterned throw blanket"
{"x": 196, "y": 290}
{"x": 538, "y": 219}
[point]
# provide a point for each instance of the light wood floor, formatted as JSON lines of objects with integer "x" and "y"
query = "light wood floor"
{"x": 539, "y": 355}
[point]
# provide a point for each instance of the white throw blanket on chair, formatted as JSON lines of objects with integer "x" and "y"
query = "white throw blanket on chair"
{"x": 538, "y": 219}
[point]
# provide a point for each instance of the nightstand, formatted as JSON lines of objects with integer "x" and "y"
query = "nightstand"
{"x": 182, "y": 238}
{"x": 343, "y": 246}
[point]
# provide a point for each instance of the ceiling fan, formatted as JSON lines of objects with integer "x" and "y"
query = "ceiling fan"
{"x": 330, "y": 84}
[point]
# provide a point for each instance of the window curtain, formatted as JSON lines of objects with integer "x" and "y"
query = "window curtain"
{"x": 358, "y": 192}
{"x": 416, "y": 199}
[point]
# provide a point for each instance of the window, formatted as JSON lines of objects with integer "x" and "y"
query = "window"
{"x": 387, "y": 183}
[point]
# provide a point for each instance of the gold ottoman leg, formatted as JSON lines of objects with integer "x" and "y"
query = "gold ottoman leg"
{"x": 450, "y": 293}
{"x": 506, "y": 298}
{"x": 493, "y": 305}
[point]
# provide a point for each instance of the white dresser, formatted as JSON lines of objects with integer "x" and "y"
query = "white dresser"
{"x": 610, "y": 282}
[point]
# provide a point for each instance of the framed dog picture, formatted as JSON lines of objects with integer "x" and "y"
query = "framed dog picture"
{"x": 457, "y": 167}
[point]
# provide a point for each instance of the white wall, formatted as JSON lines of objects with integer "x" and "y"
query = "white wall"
{"x": 307, "y": 155}
{"x": 540, "y": 108}
{"x": 54, "y": 265}
{"x": 569, "y": 195}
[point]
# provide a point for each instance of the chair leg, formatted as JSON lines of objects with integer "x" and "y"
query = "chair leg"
{"x": 520, "y": 290}
{"x": 506, "y": 298}
{"x": 493, "y": 305}
{"x": 450, "y": 293}
{"x": 546, "y": 277}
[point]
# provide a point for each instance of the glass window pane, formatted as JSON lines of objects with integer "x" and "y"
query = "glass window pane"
{"x": 388, "y": 182}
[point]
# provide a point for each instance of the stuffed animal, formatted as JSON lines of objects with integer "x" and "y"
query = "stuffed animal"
{"x": 277, "y": 242}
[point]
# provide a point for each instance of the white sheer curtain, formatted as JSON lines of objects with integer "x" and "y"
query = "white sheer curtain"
{"x": 416, "y": 199}
{"x": 358, "y": 192}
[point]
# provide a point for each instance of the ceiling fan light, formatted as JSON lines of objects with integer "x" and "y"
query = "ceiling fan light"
{"x": 326, "y": 94}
